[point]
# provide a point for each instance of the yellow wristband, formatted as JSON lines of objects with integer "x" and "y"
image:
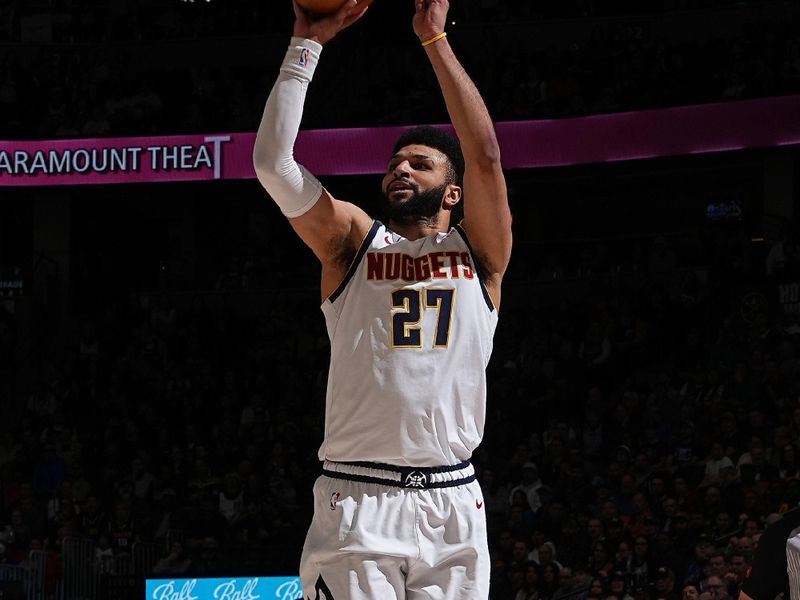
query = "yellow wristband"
{"x": 435, "y": 39}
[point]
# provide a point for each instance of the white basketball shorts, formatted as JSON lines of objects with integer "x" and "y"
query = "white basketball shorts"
{"x": 380, "y": 534}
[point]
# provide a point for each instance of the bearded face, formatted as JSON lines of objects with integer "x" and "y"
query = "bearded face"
{"x": 403, "y": 201}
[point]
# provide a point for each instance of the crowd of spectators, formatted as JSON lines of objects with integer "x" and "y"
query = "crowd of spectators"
{"x": 641, "y": 435}
{"x": 137, "y": 20}
{"x": 100, "y": 89}
{"x": 639, "y": 438}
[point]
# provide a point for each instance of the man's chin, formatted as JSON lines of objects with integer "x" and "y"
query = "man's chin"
{"x": 400, "y": 196}
{"x": 398, "y": 208}
{"x": 412, "y": 205}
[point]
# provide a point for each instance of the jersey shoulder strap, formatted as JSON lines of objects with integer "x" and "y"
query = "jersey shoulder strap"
{"x": 478, "y": 267}
{"x": 362, "y": 250}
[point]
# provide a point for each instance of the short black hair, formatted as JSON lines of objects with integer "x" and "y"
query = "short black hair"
{"x": 442, "y": 141}
{"x": 425, "y": 135}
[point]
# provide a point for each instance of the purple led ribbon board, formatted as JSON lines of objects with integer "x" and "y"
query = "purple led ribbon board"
{"x": 698, "y": 129}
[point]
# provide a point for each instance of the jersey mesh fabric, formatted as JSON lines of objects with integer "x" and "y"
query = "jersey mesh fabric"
{"x": 793, "y": 564}
{"x": 411, "y": 334}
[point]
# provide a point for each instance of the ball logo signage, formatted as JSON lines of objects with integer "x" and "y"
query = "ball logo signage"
{"x": 230, "y": 591}
{"x": 290, "y": 590}
{"x": 252, "y": 588}
{"x": 169, "y": 591}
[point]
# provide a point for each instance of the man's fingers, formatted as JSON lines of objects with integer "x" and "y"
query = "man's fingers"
{"x": 345, "y": 9}
{"x": 355, "y": 16}
{"x": 298, "y": 11}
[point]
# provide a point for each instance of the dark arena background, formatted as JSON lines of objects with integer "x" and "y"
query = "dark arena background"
{"x": 163, "y": 357}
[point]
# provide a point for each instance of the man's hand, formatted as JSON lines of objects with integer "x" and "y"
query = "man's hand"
{"x": 325, "y": 28}
{"x": 430, "y": 17}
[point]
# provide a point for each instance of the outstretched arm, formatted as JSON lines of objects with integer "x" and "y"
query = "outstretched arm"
{"x": 487, "y": 218}
{"x": 330, "y": 227}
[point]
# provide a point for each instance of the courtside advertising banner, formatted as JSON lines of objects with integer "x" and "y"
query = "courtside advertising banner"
{"x": 677, "y": 131}
{"x": 225, "y": 588}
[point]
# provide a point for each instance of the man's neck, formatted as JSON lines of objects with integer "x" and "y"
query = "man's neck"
{"x": 414, "y": 229}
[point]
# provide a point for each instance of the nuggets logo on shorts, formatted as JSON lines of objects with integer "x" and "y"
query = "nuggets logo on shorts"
{"x": 415, "y": 479}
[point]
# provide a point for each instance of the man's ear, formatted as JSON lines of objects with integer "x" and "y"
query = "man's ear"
{"x": 452, "y": 196}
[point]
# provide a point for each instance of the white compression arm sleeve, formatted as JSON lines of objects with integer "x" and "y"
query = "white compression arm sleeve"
{"x": 293, "y": 188}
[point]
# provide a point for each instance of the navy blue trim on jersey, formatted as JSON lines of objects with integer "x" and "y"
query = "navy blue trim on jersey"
{"x": 414, "y": 479}
{"x": 477, "y": 266}
{"x": 356, "y": 261}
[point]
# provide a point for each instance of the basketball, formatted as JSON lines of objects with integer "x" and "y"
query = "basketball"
{"x": 326, "y": 6}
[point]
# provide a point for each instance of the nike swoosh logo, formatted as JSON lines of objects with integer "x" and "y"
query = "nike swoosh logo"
{"x": 478, "y": 504}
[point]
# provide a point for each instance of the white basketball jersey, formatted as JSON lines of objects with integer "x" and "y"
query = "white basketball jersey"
{"x": 411, "y": 330}
{"x": 793, "y": 563}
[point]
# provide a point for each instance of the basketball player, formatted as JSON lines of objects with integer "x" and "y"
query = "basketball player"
{"x": 411, "y": 307}
{"x": 775, "y": 571}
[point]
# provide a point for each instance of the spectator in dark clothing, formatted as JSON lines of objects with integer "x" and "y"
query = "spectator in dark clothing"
{"x": 206, "y": 522}
{"x": 175, "y": 564}
{"x": 665, "y": 585}
{"x": 48, "y": 472}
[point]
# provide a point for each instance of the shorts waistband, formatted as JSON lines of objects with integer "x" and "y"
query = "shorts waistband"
{"x": 417, "y": 478}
